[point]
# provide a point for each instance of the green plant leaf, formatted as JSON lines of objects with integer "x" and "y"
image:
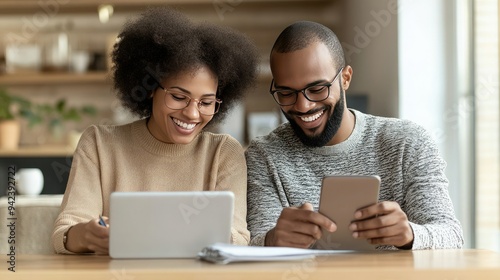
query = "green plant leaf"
{"x": 60, "y": 105}
{"x": 5, "y": 103}
{"x": 89, "y": 110}
{"x": 45, "y": 109}
{"x": 51, "y": 114}
{"x": 33, "y": 119}
{"x": 71, "y": 114}
{"x": 55, "y": 122}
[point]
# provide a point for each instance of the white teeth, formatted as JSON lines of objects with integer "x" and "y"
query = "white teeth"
{"x": 312, "y": 118}
{"x": 183, "y": 124}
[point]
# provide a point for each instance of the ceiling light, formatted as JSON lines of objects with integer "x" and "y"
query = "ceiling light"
{"x": 105, "y": 12}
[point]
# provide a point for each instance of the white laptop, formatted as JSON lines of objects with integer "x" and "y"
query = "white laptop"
{"x": 168, "y": 224}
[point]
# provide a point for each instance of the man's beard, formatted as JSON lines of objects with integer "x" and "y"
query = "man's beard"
{"x": 331, "y": 127}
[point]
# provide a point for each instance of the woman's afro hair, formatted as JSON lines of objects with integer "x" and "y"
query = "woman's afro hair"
{"x": 163, "y": 42}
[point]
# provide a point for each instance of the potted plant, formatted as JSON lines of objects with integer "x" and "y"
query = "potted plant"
{"x": 54, "y": 115}
{"x": 10, "y": 128}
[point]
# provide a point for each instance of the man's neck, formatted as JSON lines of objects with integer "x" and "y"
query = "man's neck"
{"x": 345, "y": 130}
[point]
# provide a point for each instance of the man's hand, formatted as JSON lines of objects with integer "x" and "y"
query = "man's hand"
{"x": 298, "y": 227}
{"x": 383, "y": 223}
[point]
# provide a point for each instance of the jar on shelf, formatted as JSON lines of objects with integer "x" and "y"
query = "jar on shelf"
{"x": 56, "y": 51}
{"x": 23, "y": 56}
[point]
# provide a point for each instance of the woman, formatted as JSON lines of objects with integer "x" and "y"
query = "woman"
{"x": 179, "y": 77}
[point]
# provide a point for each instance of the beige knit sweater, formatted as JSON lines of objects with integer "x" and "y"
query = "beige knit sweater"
{"x": 129, "y": 158}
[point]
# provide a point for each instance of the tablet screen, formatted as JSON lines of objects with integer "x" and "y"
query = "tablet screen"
{"x": 340, "y": 197}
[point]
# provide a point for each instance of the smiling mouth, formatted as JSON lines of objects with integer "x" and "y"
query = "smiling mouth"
{"x": 183, "y": 124}
{"x": 311, "y": 118}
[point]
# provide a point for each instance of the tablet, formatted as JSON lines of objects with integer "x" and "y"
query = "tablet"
{"x": 340, "y": 197}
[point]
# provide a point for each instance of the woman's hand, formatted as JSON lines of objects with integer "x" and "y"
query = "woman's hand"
{"x": 89, "y": 237}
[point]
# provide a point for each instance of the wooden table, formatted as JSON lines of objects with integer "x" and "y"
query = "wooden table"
{"x": 427, "y": 265}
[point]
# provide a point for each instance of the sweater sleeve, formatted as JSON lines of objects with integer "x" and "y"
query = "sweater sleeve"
{"x": 232, "y": 176}
{"x": 427, "y": 202}
{"x": 83, "y": 196}
{"x": 264, "y": 203}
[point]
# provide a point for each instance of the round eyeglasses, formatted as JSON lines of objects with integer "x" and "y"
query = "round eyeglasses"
{"x": 314, "y": 93}
{"x": 177, "y": 100}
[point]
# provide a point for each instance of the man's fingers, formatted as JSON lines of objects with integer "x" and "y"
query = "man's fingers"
{"x": 300, "y": 227}
{"x": 398, "y": 240}
{"x": 375, "y": 222}
{"x": 293, "y": 239}
{"x": 398, "y": 235}
{"x": 381, "y": 208}
{"x": 306, "y": 206}
{"x": 308, "y": 216}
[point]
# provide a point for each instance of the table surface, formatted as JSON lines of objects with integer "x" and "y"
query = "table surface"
{"x": 425, "y": 264}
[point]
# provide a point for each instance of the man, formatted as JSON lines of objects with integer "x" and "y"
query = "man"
{"x": 324, "y": 137}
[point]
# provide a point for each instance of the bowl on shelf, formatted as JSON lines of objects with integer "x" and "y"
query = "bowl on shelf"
{"x": 29, "y": 181}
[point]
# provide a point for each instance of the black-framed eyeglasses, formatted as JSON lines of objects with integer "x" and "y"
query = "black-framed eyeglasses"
{"x": 314, "y": 93}
{"x": 177, "y": 100}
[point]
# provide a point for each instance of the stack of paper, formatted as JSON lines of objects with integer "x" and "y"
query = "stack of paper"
{"x": 225, "y": 253}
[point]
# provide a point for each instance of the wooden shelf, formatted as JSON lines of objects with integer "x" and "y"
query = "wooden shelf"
{"x": 77, "y": 6}
{"x": 91, "y": 6}
{"x": 87, "y": 78}
{"x": 38, "y": 151}
{"x": 53, "y": 78}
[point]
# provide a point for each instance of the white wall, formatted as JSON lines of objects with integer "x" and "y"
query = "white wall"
{"x": 434, "y": 68}
{"x": 487, "y": 121}
{"x": 368, "y": 33}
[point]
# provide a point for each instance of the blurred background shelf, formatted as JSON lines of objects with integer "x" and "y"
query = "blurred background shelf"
{"x": 33, "y": 25}
{"x": 39, "y": 151}
{"x": 54, "y": 78}
{"x": 81, "y": 6}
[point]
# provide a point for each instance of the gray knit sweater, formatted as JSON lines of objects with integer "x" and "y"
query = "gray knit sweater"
{"x": 282, "y": 172}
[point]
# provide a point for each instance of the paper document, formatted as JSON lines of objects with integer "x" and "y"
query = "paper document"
{"x": 225, "y": 253}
